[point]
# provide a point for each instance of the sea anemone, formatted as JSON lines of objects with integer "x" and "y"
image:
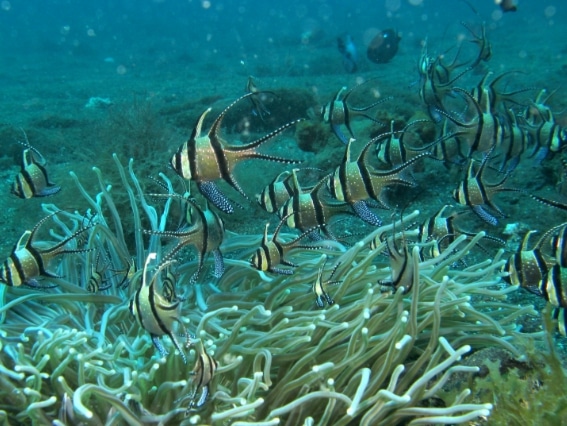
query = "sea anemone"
{"x": 373, "y": 358}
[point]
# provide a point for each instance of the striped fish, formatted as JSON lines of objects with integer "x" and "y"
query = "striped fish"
{"x": 540, "y": 274}
{"x": 202, "y": 376}
{"x": 497, "y": 100}
{"x": 437, "y": 232}
{"x": 32, "y": 180}
{"x": 546, "y": 137}
{"x": 354, "y": 181}
{"x": 311, "y": 211}
{"x": 168, "y": 284}
{"x": 257, "y": 99}
{"x": 272, "y": 251}
{"x": 554, "y": 287}
{"x": 207, "y": 158}
{"x": 391, "y": 150}
{"x": 282, "y": 188}
{"x": 205, "y": 233}
{"x": 97, "y": 281}
{"x": 544, "y": 133}
{"x": 154, "y": 313}
{"x": 475, "y": 193}
{"x": 436, "y": 80}
{"x": 319, "y": 286}
{"x": 482, "y": 130}
{"x": 29, "y": 261}
{"x": 483, "y": 44}
{"x": 559, "y": 244}
{"x": 560, "y": 315}
{"x": 513, "y": 143}
{"x": 339, "y": 113}
{"x": 401, "y": 263}
{"x": 528, "y": 268}
{"x": 275, "y": 195}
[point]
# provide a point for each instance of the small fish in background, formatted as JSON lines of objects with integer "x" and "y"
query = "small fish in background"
{"x": 508, "y": 5}
{"x": 32, "y": 180}
{"x": 339, "y": 112}
{"x": 257, "y": 98}
{"x": 347, "y": 48}
{"x": 383, "y": 46}
{"x": 319, "y": 286}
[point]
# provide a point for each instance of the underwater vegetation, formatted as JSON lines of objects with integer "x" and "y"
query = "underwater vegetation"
{"x": 70, "y": 356}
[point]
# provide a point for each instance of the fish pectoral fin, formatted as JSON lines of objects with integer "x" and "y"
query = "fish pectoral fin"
{"x": 485, "y": 215}
{"x": 52, "y": 189}
{"x": 157, "y": 343}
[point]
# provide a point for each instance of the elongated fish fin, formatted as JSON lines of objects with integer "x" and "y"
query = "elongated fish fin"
{"x": 199, "y": 125}
{"x": 24, "y": 240}
{"x": 213, "y": 132}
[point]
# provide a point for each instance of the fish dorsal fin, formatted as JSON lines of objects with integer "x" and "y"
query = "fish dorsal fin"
{"x": 295, "y": 181}
{"x": 30, "y": 154}
{"x": 151, "y": 256}
{"x": 213, "y": 132}
{"x": 36, "y": 227}
{"x": 472, "y": 101}
{"x": 315, "y": 190}
{"x": 547, "y": 234}
{"x": 322, "y": 267}
{"x": 364, "y": 151}
{"x": 23, "y": 242}
{"x": 292, "y": 178}
{"x": 348, "y": 153}
{"x": 27, "y": 158}
{"x": 526, "y": 240}
{"x": 345, "y": 97}
{"x": 199, "y": 125}
{"x": 279, "y": 227}
{"x": 471, "y": 174}
{"x": 283, "y": 176}
{"x": 337, "y": 97}
{"x": 265, "y": 237}
{"x": 160, "y": 268}
{"x": 250, "y": 85}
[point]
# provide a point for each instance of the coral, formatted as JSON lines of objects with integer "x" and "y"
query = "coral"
{"x": 311, "y": 136}
{"x": 373, "y": 358}
{"x": 524, "y": 390}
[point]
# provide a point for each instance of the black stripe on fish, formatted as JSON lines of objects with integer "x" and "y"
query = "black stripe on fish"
{"x": 271, "y": 252}
{"x": 528, "y": 268}
{"x": 553, "y": 288}
{"x": 559, "y": 245}
{"x": 154, "y": 313}
{"x": 318, "y": 287}
{"x": 203, "y": 373}
{"x": 338, "y": 112}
